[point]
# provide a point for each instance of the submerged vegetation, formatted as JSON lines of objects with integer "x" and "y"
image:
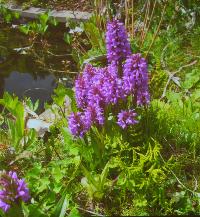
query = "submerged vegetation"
{"x": 125, "y": 139}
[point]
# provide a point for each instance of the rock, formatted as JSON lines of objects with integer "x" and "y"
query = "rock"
{"x": 39, "y": 125}
{"x": 60, "y": 16}
{"x": 48, "y": 116}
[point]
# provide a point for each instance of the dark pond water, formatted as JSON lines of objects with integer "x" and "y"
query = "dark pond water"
{"x": 34, "y": 71}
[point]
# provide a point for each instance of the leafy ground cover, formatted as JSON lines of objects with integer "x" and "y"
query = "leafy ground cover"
{"x": 125, "y": 140}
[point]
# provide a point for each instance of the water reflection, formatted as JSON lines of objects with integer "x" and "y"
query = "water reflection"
{"x": 24, "y": 84}
{"x": 22, "y": 78}
{"x": 21, "y": 74}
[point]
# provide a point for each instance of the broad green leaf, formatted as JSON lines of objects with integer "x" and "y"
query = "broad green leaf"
{"x": 104, "y": 174}
{"x": 61, "y": 206}
{"x": 64, "y": 206}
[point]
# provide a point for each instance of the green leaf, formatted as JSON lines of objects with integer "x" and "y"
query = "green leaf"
{"x": 53, "y": 21}
{"x": 89, "y": 177}
{"x": 24, "y": 29}
{"x": 173, "y": 97}
{"x": 67, "y": 38}
{"x": 16, "y": 126}
{"x": 74, "y": 213}
{"x": 67, "y": 136}
{"x": 62, "y": 206}
{"x": 95, "y": 36}
{"x": 104, "y": 174}
{"x": 2, "y": 214}
{"x": 57, "y": 173}
{"x": 25, "y": 210}
{"x": 59, "y": 95}
{"x": 44, "y": 18}
{"x": 196, "y": 94}
{"x": 35, "y": 211}
{"x": 191, "y": 79}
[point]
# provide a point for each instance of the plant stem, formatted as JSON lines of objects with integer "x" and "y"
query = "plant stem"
{"x": 132, "y": 6}
{"x": 145, "y": 17}
{"x": 158, "y": 28}
{"x": 143, "y": 39}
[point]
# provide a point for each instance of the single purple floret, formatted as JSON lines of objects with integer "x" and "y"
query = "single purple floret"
{"x": 117, "y": 44}
{"x": 126, "y": 118}
{"x": 13, "y": 190}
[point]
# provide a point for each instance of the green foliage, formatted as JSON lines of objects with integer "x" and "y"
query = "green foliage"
{"x": 40, "y": 26}
{"x": 7, "y": 15}
{"x": 15, "y": 125}
{"x": 151, "y": 168}
{"x": 177, "y": 118}
{"x": 92, "y": 38}
{"x": 62, "y": 206}
{"x": 96, "y": 183}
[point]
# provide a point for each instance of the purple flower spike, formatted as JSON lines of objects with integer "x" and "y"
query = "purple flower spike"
{"x": 13, "y": 190}
{"x": 135, "y": 79}
{"x": 117, "y": 44}
{"x": 78, "y": 124}
{"x": 126, "y": 118}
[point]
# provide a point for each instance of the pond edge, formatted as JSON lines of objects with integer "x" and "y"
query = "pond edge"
{"x": 61, "y": 16}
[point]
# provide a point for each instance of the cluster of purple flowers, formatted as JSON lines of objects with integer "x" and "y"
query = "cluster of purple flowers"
{"x": 12, "y": 190}
{"x": 96, "y": 88}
